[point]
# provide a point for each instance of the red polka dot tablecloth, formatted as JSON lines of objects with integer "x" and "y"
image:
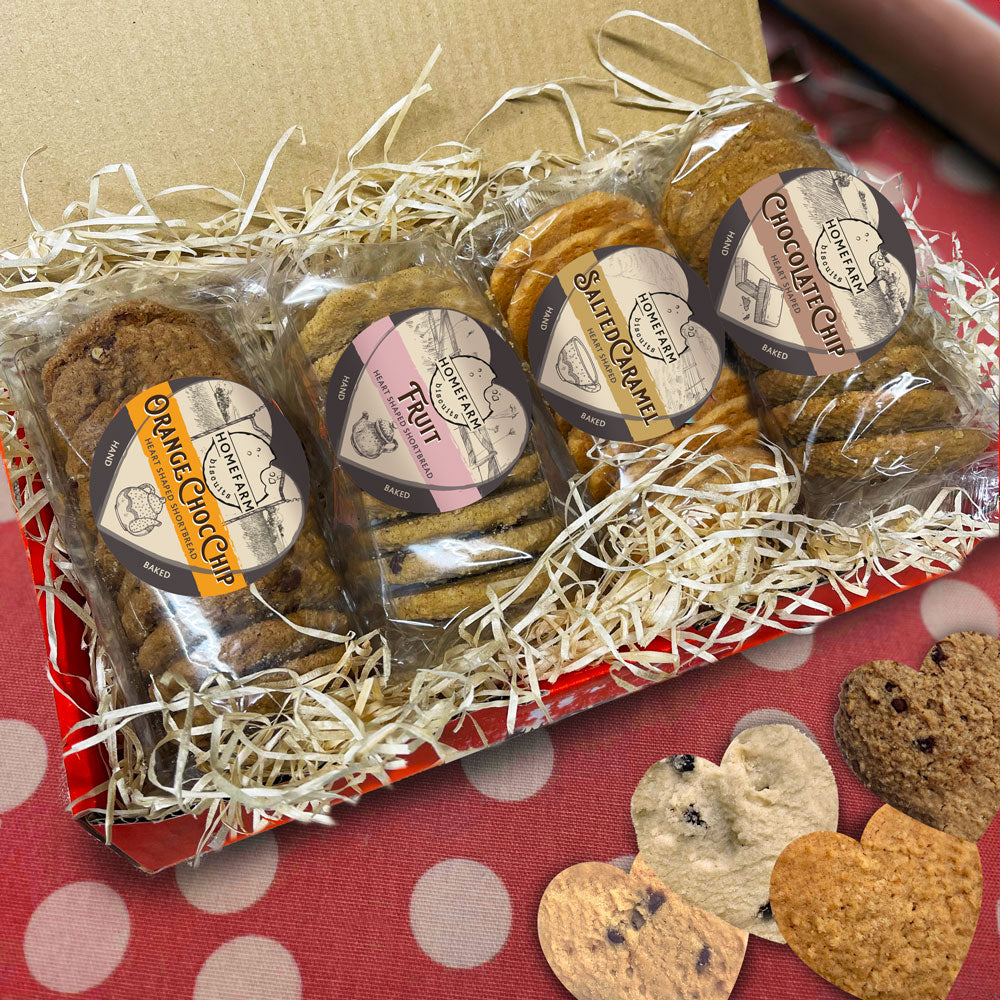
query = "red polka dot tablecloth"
{"x": 431, "y": 889}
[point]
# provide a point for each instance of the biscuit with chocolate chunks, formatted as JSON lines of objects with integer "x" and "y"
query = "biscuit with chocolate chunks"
{"x": 927, "y": 741}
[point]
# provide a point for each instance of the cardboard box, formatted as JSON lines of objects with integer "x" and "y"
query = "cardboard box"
{"x": 188, "y": 99}
{"x": 201, "y": 97}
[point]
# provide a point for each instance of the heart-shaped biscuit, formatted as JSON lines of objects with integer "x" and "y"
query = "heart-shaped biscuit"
{"x": 712, "y": 832}
{"x": 612, "y": 935}
{"x": 928, "y": 741}
{"x": 889, "y": 918}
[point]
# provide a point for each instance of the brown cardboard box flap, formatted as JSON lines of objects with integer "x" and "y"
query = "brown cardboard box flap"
{"x": 200, "y": 93}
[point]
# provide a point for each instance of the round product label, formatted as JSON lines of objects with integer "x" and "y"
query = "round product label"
{"x": 812, "y": 270}
{"x": 428, "y": 410}
{"x": 624, "y": 343}
{"x": 199, "y": 486}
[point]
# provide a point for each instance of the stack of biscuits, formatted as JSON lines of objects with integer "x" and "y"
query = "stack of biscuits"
{"x": 429, "y": 568}
{"x": 171, "y": 638}
{"x": 555, "y": 239}
{"x": 726, "y": 157}
{"x": 892, "y": 415}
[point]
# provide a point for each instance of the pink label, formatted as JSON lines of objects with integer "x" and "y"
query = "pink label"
{"x": 428, "y": 410}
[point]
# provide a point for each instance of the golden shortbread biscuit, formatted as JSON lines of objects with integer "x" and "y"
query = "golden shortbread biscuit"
{"x": 594, "y": 209}
{"x": 889, "y": 918}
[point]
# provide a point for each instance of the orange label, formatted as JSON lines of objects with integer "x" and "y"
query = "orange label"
{"x": 180, "y": 479}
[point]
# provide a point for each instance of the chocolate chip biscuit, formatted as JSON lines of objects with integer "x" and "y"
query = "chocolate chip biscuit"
{"x": 853, "y": 415}
{"x": 892, "y": 454}
{"x": 612, "y": 935}
{"x": 99, "y": 366}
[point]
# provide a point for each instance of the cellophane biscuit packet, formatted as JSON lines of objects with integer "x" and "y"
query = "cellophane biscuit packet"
{"x": 893, "y": 429}
{"x": 180, "y": 490}
{"x": 603, "y": 212}
{"x": 442, "y": 476}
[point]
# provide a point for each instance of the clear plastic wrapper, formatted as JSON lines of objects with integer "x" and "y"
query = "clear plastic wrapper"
{"x": 415, "y": 573}
{"x": 528, "y": 237}
{"x": 73, "y": 366}
{"x": 894, "y": 429}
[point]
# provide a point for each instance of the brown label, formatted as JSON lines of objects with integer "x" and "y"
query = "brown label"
{"x": 812, "y": 270}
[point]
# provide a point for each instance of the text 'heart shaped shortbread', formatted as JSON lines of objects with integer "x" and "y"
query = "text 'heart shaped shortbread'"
{"x": 712, "y": 832}
{"x": 889, "y": 918}
{"x": 612, "y": 935}
{"x": 928, "y": 741}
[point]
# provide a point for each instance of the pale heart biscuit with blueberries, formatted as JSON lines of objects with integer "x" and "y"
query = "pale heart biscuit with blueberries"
{"x": 889, "y": 918}
{"x": 612, "y": 935}
{"x": 713, "y": 832}
{"x": 927, "y": 741}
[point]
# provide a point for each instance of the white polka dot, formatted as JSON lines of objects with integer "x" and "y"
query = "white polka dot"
{"x": 249, "y": 968}
{"x": 232, "y": 879}
{"x": 771, "y": 717}
{"x": 6, "y": 501}
{"x": 955, "y": 606}
{"x": 23, "y": 758}
{"x": 460, "y": 913}
{"x": 514, "y": 770}
{"x": 76, "y": 937}
{"x": 787, "y": 652}
{"x": 623, "y": 861}
{"x": 962, "y": 169}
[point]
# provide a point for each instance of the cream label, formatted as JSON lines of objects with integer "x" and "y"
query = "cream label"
{"x": 428, "y": 410}
{"x": 625, "y": 344}
{"x": 813, "y": 271}
{"x": 199, "y": 486}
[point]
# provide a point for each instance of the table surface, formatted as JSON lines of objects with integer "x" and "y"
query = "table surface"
{"x": 431, "y": 888}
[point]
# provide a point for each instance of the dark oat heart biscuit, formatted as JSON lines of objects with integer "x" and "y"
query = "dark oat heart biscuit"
{"x": 889, "y": 918}
{"x": 612, "y": 935}
{"x": 928, "y": 741}
{"x": 851, "y": 414}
